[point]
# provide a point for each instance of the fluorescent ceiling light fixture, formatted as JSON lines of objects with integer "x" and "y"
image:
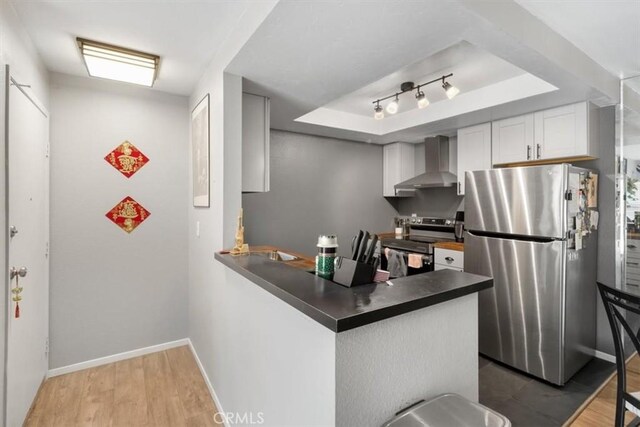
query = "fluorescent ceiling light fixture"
{"x": 118, "y": 63}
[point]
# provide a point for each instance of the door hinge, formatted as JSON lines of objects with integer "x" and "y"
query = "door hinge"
{"x": 46, "y": 149}
{"x": 568, "y": 195}
{"x": 46, "y": 346}
{"x": 46, "y": 250}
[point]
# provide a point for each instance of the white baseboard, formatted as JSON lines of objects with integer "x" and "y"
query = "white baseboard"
{"x": 605, "y": 356}
{"x": 117, "y": 357}
{"x": 212, "y": 392}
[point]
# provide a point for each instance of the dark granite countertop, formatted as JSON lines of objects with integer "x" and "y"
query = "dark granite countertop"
{"x": 340, "y": 308}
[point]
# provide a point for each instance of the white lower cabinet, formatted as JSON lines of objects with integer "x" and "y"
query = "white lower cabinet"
{"x": 448, "y": 259}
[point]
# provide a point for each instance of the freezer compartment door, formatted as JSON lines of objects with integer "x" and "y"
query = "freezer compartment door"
{"x": 526, "y": 201}
{"x": 521, "y": 316}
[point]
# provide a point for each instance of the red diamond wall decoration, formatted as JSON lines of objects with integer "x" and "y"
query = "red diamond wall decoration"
{"x": 127, "y": 159}
{"x": 128, "y": 214}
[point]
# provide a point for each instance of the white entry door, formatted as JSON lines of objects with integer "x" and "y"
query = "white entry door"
{"x": 28, "y": 217}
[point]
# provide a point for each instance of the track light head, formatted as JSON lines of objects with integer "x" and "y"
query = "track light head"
{"x": 423, "y": 102}
{"x": 450, "y": 90}
{"x": 392, "y": 107}
{"x": 378, "y": 112}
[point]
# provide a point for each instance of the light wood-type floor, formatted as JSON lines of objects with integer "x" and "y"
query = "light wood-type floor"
{"x": 601, "y": 410}
{"x": 159, "y": 389}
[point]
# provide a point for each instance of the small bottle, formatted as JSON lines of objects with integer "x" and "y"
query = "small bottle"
{"x": 398, "y": 225}
{"x": 327, "y": 248}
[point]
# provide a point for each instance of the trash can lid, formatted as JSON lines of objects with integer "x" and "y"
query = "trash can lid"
{"x": 449, "y": 410}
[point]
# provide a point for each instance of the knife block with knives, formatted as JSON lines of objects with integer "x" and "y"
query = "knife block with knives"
{"x": 361, "y": 268}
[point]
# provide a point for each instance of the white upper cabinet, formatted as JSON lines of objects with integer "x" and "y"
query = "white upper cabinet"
{"x": 512, "y": 140}
{"x": 567, "y": 132}
{"x": 255, "y": 143}
{"x": 474, "y": 151}
{"x": 564, "y": 132}
{"x": 398, "y": 165}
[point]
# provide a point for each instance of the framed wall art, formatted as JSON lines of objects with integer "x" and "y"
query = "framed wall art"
{"x": 200, "y": 152}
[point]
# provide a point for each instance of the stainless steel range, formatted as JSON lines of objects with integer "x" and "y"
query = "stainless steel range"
{"x": 423, "y": 233}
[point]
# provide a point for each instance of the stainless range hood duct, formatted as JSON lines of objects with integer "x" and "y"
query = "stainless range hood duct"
{"x": 438, "y": 173}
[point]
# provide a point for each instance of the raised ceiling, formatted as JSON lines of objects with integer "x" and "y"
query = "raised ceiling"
{"x": 473, "y": 68}
{"x": 484, "y": 80}
{"x": 186, "y": 34}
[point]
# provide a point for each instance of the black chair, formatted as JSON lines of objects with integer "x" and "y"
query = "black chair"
{"x": 614, "y": 301}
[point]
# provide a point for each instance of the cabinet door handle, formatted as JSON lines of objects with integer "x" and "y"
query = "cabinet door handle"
{"x": 528, "y": 152}
{"x": 459, "y": 186}
{"x": 449, "y": 259}
{"x": 632, "y": 263}
{"x": 631, "y": 246}
{"x": 538, "y": 151}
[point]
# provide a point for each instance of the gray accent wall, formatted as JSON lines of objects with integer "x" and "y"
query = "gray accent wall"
{"x": 111, "y": 291}
{"x": 605, "y": 164}
{"x": 318, "y": 186}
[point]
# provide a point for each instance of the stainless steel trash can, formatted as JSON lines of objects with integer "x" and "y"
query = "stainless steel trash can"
{"x": 449, "y": 410}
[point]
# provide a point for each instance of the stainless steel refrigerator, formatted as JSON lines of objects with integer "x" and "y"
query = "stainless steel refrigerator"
{"x": 533, "y": 230}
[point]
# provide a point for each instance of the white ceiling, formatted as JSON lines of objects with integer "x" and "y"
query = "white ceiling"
{"x": 606, "y": 30}
{"x": 186, "y": 34}
{"x": 306, "y": 55}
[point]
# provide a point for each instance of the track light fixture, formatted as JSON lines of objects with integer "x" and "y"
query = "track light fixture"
{"x": 392, "y": 107}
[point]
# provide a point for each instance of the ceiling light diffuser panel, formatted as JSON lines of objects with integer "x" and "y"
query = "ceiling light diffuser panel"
{"x": 118, "y": 63}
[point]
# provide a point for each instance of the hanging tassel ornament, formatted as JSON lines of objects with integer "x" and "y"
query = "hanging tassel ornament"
{"x": 17, "y": 297}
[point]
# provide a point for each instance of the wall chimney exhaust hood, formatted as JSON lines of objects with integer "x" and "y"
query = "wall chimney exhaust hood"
{"x": 438, "y": 173}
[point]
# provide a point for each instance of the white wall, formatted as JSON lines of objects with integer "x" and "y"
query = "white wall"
{"x": 210, "y": 330}
{"x": 424, "y": 353}
{"x": 17, "y": 50}
{"x": 276, "y": 360}
{"x": 111, "y": 291}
